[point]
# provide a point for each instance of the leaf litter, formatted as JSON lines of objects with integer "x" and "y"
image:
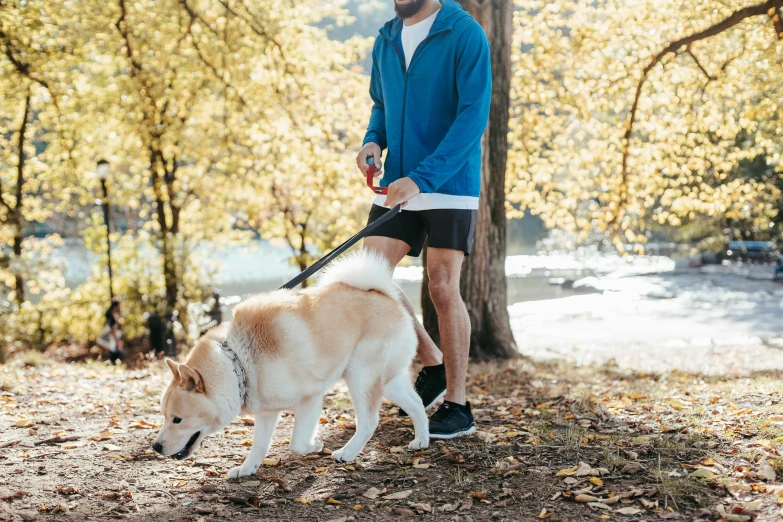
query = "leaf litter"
{"x": 556, "y": 442}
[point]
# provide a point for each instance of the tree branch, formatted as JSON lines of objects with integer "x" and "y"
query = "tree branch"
{"x": 770, "y": 6}
{"x": 25, "y": 70}
{"x": 708, "y": 75}
{"x": 20, "y": 149}
{"x": 122, "y": 26}
{"x": 220, "y": 76}
{"x": 777, "y": 21}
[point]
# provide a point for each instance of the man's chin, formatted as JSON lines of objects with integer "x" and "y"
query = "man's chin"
{"x": 408, "y": 8}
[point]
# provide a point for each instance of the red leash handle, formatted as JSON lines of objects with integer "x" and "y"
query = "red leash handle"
{"x": 371, "y": 176}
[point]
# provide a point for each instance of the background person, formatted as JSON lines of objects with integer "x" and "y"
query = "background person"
{"x": 110, "y": 339}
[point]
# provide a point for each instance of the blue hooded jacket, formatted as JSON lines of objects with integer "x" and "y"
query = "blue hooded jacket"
{"x": 431, "y": 117}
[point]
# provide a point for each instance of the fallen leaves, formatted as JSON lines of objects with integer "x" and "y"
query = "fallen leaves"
{"x": 373, "y": 493}
{"x": 58, "y": 439}
{"x": 418, "y": 464}
{"x": 606, "y": 450}
{"x": 142, "y": 424}
{"x": 582, "y": 470}
{"x": 421, "y": 507}
{"x": 67, "y": 490}
{"x": 703, "y": 473}
{"x": 399, "y": 495}
{"x": 765, "y": 471}
{"x": 13, "y": 496}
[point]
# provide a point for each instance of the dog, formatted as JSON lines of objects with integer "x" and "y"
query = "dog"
{"x": 284, "y": 350}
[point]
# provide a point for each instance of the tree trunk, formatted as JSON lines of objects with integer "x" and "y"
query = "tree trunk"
{"x": 167, "y": 249}
{"x": 483, "y": 284}
{"x": 16, "y": 215}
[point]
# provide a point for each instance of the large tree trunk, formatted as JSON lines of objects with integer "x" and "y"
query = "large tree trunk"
{"x": 483, "y": 282}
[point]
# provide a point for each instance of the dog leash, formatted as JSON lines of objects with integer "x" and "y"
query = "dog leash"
{"x": 318, "y": 265}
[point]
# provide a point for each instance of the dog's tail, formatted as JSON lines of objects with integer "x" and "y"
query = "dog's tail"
{"x": 363, "y": 269}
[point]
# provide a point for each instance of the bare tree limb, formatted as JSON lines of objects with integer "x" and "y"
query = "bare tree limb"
{"x": 765, "y": 8}
{"x": 701, "y": 67}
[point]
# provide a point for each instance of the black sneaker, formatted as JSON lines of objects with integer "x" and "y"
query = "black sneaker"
{"x": 430, "y": 385}
{"x": 452, "y": 420}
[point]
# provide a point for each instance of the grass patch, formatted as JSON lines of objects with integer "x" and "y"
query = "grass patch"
{"x": 32, "y": 359}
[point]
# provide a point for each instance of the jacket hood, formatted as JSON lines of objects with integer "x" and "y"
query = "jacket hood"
{"x": 448, "y": 15}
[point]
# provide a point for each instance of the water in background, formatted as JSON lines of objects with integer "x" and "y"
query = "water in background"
{"x": 241, "y": 271}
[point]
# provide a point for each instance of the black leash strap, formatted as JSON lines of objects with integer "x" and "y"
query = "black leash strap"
{"x": 315, "y": 267}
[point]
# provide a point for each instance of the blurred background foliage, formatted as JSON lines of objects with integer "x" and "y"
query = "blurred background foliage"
{"x": 226, "y": 120}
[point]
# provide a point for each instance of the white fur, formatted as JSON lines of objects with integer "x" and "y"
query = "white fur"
{"x": 293, "y": 353}
{"x": 363, "y": 269}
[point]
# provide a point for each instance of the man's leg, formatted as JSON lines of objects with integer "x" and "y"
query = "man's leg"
{"x": 444, "y": 267}
{"x": 394, "y": 250}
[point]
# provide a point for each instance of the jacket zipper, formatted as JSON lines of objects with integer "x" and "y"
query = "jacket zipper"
{"x": 405, "y": 88}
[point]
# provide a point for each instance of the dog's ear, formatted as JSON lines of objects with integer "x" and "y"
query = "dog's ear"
{"x": 191, "y": 379}
{"x": 173, "y": 366}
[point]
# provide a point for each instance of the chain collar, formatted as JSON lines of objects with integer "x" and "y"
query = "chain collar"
{"x": 239, "y": 371}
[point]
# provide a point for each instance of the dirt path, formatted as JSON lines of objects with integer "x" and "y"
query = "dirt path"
{"x": 75, "y": 445}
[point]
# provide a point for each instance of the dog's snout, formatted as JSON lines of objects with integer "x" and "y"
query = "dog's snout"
{"x": 158, "y": 447}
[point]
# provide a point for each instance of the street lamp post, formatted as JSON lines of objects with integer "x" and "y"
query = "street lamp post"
{"x": 103, "y": 173}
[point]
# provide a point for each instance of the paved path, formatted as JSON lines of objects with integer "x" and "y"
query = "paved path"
{"x": 714, "y": 320}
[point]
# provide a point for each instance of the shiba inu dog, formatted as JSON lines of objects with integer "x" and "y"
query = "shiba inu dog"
{"x": 283, "y": 350}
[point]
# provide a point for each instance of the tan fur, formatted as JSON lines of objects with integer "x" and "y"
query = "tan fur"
{"x": 293, "y": 346}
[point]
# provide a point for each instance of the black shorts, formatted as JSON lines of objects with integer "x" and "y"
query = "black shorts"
{"x": 446, "y": 228}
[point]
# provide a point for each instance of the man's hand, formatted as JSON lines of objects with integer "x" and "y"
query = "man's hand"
{"x": 370, "y": 149}
{"x": 401, "y": 191}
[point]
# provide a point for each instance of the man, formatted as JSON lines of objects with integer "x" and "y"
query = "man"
{"x": 430, "y": 88}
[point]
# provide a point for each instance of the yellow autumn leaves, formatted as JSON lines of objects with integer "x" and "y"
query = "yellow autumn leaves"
{"x": 706, "y": 151}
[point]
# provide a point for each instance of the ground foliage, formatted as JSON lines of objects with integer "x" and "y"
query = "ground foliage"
{"x": 555, "y": 442}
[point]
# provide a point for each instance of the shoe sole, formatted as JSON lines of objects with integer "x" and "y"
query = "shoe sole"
{"x": 428, "y": 406}
{"x": 455, "y": 435}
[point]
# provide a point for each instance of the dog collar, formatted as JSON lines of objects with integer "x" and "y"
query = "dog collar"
{"x": 239, "y": 371}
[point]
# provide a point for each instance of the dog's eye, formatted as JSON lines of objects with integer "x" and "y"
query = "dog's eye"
{"x": 177, "y": 420}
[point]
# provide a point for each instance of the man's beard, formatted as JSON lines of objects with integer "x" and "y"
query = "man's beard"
{"x": 408, "y": 10}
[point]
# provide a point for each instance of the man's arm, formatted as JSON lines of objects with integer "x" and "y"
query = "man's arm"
{"x": 474, "y": 88}
{"x": 376, "y": 130}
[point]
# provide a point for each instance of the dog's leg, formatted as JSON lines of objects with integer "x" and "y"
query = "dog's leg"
{"x": 265, "y": 423}
{"x": 366, "y": 398}
{"x": 400, "y": 391}
{"x": 306, "y": 418}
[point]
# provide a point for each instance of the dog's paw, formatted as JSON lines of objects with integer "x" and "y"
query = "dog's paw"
{"x": 417, "y": 444}
{"x": 317, "y": 446}
{"x": 314, "y": 447}
{"x": 239, "y": 472}
{"x": 343, "y": 455}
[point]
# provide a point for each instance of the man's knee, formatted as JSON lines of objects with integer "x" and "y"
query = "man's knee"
{"x": 392, "y": 249}
{"x": 444, "y": 292}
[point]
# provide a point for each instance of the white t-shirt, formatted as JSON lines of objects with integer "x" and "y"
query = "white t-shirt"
{"x": 412, "y": 36}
